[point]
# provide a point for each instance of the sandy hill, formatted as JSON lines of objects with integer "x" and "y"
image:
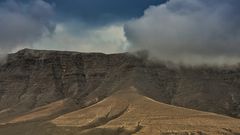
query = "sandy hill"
{"x": 126, "y": 112}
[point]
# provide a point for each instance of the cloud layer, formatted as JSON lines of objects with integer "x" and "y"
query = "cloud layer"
{"x": 79, "y": 37}
{"x": 22, "y": 24}
{"x": 85, "y": 25}
{"x": 189, "y": 31}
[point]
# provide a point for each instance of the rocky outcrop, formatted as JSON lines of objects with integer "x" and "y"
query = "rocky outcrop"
{"x": 33, "y": 78}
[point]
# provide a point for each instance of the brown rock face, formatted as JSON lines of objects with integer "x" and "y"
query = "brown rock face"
{"x": 71, "y": 93}
{"x": 33, "y": 78}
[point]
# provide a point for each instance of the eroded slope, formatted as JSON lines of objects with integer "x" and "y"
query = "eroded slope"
{"x": 127, "y": 112}
{"x": 34, "y": 82}
{"x": 137, "y": 114}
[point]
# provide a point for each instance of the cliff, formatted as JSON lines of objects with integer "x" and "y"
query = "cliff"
{"x": 33, "y": 78}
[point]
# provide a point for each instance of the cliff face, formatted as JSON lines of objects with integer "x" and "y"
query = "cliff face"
{"x": 33, "y": 78}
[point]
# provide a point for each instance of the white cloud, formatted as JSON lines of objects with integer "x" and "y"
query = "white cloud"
{"x": 107, "y": 39}
{"x": 189, "y": 31}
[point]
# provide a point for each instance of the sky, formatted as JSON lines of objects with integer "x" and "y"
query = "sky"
{"x": 182, "y": 31}
{"x": 73, "y": 25}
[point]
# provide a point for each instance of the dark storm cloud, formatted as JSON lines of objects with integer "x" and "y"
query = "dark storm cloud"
{"x": 189, "y": 31}
{"x": 22, "y": 23}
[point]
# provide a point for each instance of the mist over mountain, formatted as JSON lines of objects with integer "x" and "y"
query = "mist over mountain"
{"x": 193, "y": 32}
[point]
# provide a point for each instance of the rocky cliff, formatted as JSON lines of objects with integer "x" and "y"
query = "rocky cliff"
{"x": 34, "y": 78}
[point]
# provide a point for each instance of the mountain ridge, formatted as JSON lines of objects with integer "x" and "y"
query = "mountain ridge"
{"x": 71, "y": 72}
{"x": 39, "y": 85}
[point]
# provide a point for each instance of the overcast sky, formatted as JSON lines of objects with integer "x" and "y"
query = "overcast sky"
{"x": 185, "y": 31}
{"x": 77, "y": 25}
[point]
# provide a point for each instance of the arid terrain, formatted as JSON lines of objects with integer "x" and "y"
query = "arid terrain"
{"x": 71, "y": 93}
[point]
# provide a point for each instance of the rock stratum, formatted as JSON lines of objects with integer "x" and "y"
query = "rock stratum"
{"x": 71, "y": 93}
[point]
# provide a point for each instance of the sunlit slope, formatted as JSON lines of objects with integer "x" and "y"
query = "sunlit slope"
{"x": 131, "y": 113}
